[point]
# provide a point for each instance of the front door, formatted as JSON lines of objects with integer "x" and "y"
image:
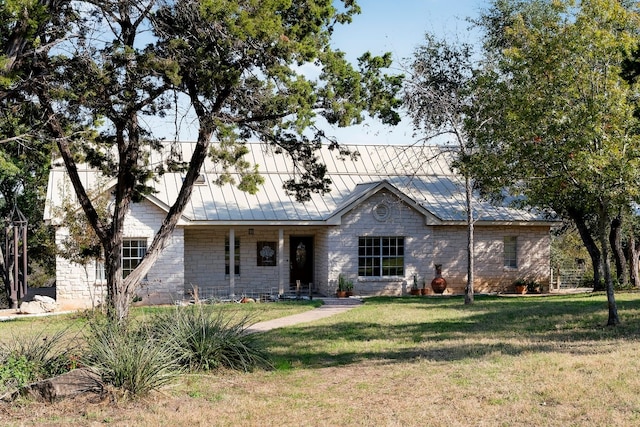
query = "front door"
{"x": 300, "y": 260}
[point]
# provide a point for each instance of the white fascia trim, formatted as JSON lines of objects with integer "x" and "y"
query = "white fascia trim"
{"x": 254, "y": 223}
{"x": 184, "y": 220}
{"x": 481, "y": 223}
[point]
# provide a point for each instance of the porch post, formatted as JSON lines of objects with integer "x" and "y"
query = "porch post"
{"x": 281, "y": 265}
{"x": 232, "y": 262}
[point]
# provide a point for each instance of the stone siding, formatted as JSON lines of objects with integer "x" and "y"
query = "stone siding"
{"x": 194, "y": 257}
{"x": 426, "y": 246}
{"x": 205, "y": 263}
{"x": 533, "y": 256}
{"x": 76, "y": 284}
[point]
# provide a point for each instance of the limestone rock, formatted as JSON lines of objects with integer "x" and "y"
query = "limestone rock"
{"x": 48, "y": 303}
{"x": 40, "y": 304}
{"x": 64, "y": 386}
{"x": 31, "y": 307}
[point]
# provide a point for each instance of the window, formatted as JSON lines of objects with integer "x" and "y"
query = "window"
{"x": 511, "y": 251}
{"x": 236, "y": 256}
{"x": 381, "y": 256}
{"x": 100, "y": 273}
{"x": 132, "y": 253}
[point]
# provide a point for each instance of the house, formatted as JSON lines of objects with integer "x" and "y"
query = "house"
{"x": 393, "y": 213}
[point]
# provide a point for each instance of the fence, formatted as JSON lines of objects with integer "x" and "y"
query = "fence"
{"x": 266, "y": 294}
{"x": 567, "y": 278}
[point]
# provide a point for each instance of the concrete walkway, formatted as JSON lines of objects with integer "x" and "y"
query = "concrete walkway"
{"x": 331, "y": 306}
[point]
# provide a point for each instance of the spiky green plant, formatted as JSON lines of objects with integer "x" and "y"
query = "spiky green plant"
{"x": 203, "y": 338}
{"x": 129, "y": 358}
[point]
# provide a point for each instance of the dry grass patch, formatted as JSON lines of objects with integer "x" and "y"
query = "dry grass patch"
{"x": 401, "y": 362}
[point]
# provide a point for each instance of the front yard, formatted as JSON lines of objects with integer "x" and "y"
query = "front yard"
{"x": 406, "y": 361}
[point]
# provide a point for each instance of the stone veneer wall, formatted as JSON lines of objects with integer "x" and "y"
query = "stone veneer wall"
{"x": 533, "y": 256}
{"x": 335, "y": 252}
{"x": 428, "y": 245}
{"x": 204, "y": 259}
{"x": 76, "y": 285}
{"x": 402, "y": 221}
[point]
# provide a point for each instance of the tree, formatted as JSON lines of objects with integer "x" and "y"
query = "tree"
{"x": 561, "y": 132}
{"x": 235, "y": 63}
{"x": 439, "y": 97}
{"x": 27, "y": 29}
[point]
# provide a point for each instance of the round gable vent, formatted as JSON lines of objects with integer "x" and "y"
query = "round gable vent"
{"x": 381, "y": 212}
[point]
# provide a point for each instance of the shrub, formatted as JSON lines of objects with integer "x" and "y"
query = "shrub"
{"x": 28, "y": 359}
{"x": 129, "y": 358}
{"x": 16, "y": 372}
{"x": 202, "y": 338}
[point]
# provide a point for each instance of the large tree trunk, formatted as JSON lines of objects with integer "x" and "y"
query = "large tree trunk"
{"x": 633, "y": 253}
{"x": 590, "y": 244}
{"x": 468, "y": 291}
{"x": 118, "y": 300}
{"x": 604, "y": 225}
{"x": 615, "y": 240}
{"x": 125, "y": 288}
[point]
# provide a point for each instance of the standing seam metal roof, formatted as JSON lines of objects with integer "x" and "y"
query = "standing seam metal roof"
{"x": 422, "y": 173}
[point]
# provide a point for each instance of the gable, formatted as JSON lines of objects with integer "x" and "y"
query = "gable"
{"x": 382, "y": 209}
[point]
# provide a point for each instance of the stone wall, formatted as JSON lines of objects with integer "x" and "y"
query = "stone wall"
{"x": 195, "y": 256}
{"x": 205, "y": 263}
{"x": 533, "y": 256}
{"x": 426, "y": 246}
{"x": 77, "y": 284}
{"x": 401, "y": 220}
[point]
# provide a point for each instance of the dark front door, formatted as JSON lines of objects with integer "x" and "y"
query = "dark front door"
{"x": 301, "y": 260}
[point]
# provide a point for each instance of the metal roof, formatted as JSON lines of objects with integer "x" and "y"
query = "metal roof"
{"x": 421, "y": 174}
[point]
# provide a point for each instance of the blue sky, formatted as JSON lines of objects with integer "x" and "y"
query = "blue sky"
{"x": 398, "y": 26}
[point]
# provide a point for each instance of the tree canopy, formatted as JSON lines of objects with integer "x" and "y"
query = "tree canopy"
{"x": 558, "y": 123}
{"x": 236, "y": 64}
{"x": 27, "y": 29}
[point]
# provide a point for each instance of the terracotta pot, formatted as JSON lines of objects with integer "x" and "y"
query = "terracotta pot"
{"x": 438, "y": 285}
{"x": 521, "y": 289}
{"x": 424, "y": 291}
{"x": 415, "y": 291}
{"x": 341, "y": 294}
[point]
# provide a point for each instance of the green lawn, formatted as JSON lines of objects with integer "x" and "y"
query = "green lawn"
{"x": 445, "y": 329}
{"x": 410, "y": 361}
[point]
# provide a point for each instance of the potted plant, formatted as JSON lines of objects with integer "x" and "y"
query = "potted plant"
{"x": 423, "y": 290}
{"x": 520, "y": 286}
{"x": 343, "y": 286}
{"x": 348, "y": 286}
{"x": 534, "y": 287}
{"x": 414, "y": 288}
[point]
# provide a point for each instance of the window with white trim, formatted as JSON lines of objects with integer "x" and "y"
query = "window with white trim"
{"x": 236, "y": 256}
{"x": 101, "y": 277}
{"x": 511, "y": 251}
{"x": 133, "y": 250}
{"x": 380, "y": 256}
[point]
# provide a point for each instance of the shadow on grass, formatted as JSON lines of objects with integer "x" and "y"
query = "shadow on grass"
{"x": 444, "y": 329}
